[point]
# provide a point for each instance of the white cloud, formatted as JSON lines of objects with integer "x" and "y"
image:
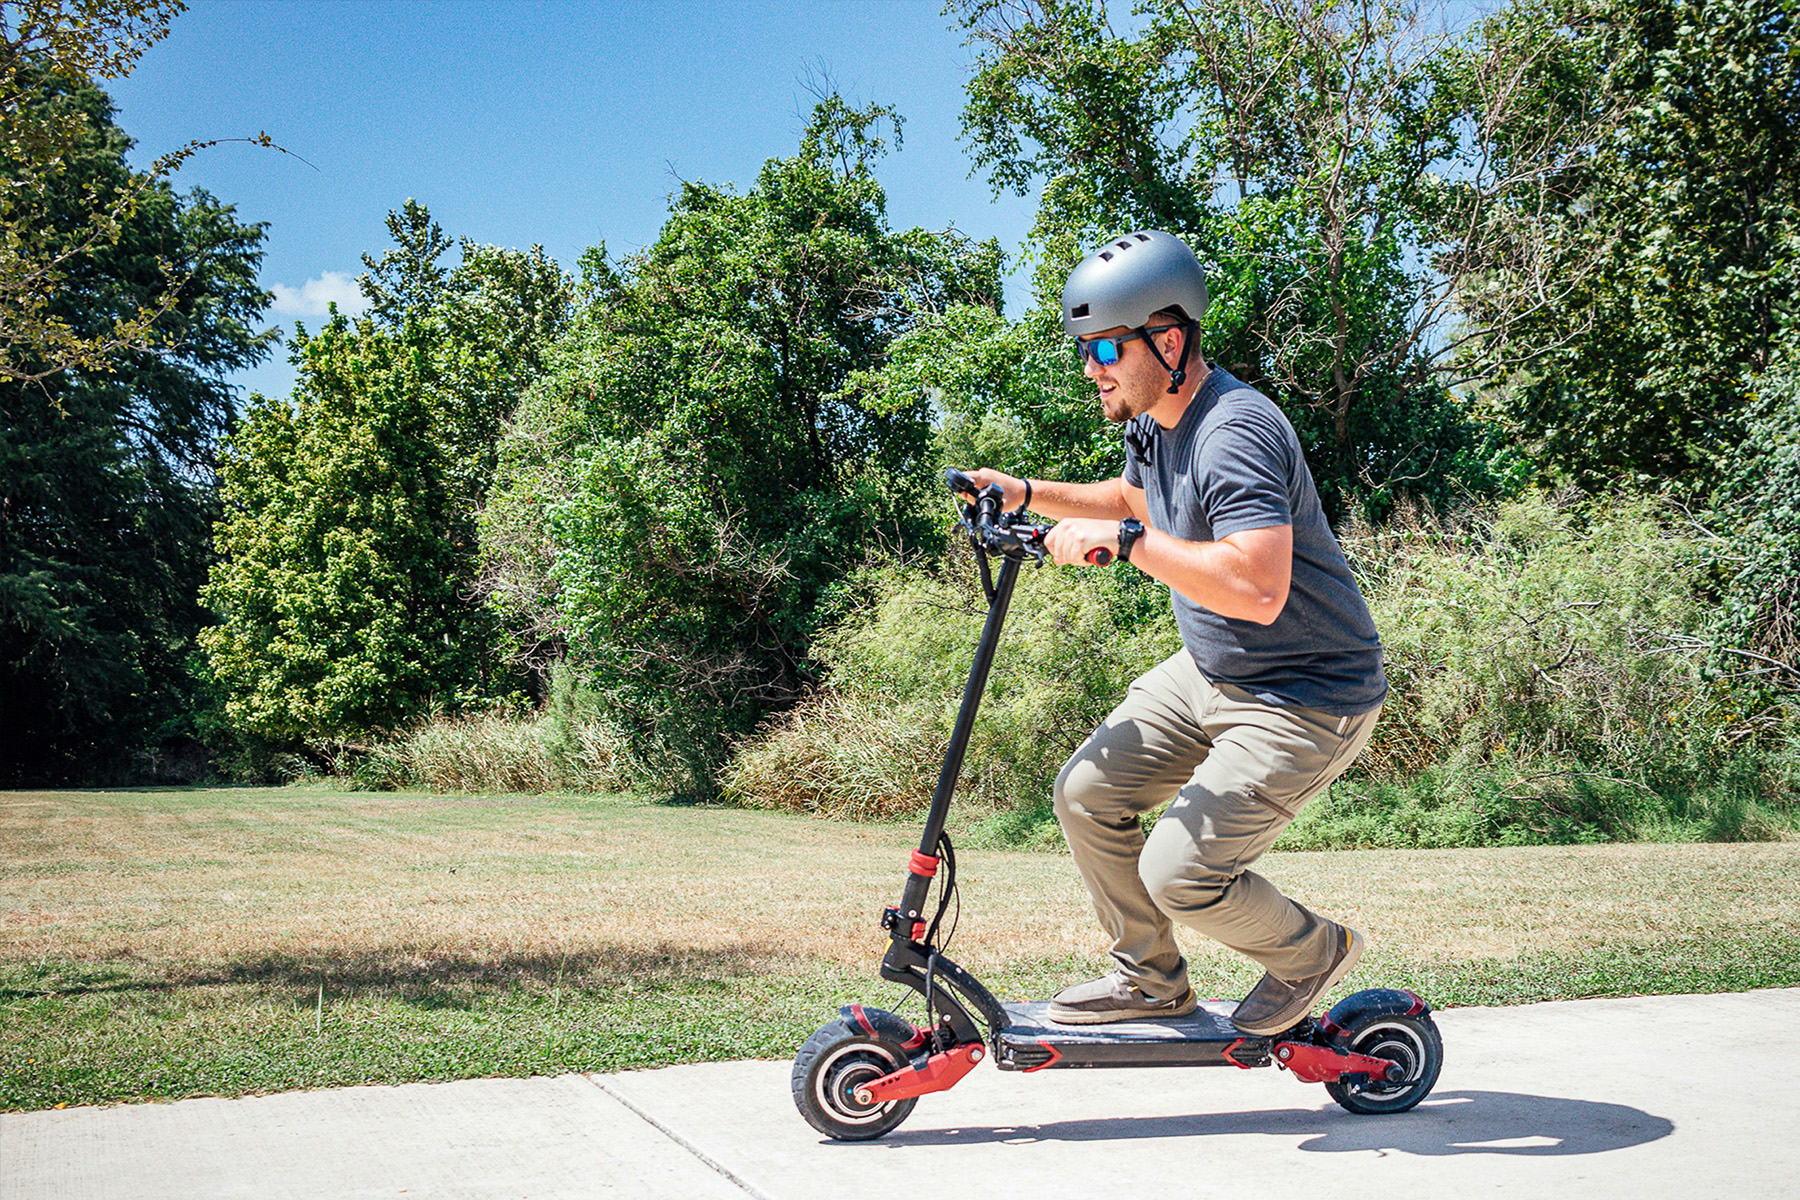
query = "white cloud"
{"x": 311, "y": 298}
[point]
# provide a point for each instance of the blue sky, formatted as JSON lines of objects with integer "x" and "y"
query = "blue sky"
{"x": 519, "y": 123}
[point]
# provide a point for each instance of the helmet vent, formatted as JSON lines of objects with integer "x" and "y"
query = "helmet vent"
{"x": 1106, "y": 255}
{"x": 1143, "y": 237}
{"x": 1079, "y": 311}
{"x": 1124, "y": 245}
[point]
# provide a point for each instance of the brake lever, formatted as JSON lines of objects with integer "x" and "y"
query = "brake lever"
{"x": 1016, "y": 535}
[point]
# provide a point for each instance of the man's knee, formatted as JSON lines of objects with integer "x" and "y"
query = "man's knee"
{"x": 1181, "y": 886}
{"x": 1072, "y": 790}
{"x": 1083, "y": 791}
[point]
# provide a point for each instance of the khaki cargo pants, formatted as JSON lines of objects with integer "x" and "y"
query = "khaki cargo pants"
{"x": 1238, "y": 770}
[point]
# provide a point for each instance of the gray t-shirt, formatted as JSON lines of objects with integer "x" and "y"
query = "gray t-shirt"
{"x": 1231, "y": 464}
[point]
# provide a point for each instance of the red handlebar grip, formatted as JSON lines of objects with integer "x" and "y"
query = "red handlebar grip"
{"x": 1099, "y": 556}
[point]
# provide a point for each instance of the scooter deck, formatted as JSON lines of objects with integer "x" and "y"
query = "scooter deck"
{"x": 1204, "y": 1038}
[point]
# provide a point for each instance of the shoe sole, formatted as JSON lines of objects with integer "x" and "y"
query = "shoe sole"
{"x": 1077, "y": 1017}
{"x": 1344, "y": 967}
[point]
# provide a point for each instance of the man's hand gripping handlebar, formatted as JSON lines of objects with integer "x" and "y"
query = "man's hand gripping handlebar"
{"x": 989, "y": 526}
{"x": 989, "y": 504}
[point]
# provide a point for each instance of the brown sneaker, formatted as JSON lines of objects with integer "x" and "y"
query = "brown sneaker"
{"x": 1276, "y": 1005}
{"x": 1113, "y": 998}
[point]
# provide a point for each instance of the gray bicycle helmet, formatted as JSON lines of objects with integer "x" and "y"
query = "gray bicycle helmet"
{"x": 1130, "y": 278}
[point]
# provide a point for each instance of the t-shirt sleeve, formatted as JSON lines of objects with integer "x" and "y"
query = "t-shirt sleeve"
{"x": 1245, "y": 467}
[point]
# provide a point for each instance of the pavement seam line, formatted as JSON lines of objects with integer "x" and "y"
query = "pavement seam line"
{"x": 692, "y": 1149}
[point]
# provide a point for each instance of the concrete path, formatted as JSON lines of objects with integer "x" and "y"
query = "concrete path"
{"x": 1642, "y": 1098}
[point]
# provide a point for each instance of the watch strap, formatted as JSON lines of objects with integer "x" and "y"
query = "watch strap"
{"x": 1130, "y": 530}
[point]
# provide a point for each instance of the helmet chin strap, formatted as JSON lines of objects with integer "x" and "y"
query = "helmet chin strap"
{"x": 1178, "y": 372}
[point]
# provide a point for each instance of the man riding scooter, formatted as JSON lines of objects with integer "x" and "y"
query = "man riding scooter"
{"x": 1277, "y": 686}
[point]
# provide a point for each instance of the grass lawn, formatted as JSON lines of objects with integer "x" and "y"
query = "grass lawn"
{"x": 159, "y": 944}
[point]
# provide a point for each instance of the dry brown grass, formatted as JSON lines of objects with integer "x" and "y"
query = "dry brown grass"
{"x": 198, "y": 879}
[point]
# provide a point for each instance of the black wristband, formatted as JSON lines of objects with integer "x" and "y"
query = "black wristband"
{"x": 1025, "y": 503}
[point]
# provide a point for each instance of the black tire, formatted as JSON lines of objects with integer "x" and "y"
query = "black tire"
{"x": 832, "y": 1064}
{"x": 1411, "y": 1041}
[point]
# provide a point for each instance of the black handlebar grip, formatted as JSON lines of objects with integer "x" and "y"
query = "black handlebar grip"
{"x": 960, "y": 482}
{"x": 1099, "y": 556}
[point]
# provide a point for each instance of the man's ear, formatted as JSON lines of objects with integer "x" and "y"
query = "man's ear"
{"x": 1172, "y": 339}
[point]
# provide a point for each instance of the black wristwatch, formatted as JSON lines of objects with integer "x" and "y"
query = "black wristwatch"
{"x": 1130, "y": 530}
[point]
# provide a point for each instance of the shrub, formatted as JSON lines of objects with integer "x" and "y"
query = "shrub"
{"x": 872, "y": 742}
{"x": 1551, "y": 671}
{"x": 1544, "y": 635}
{"x": 1758, "y": 618}
{"x": 1548, "y": 660}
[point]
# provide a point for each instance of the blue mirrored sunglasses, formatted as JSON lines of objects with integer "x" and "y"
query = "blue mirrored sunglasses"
{"x": 1105, "y": 350}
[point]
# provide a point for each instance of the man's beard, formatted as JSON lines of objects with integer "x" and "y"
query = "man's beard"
{"x": 1124, "y": 411}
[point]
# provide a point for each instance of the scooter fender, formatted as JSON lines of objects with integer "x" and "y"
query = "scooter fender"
{"x": 1352, "y": 1010}
{"x": 877, "y": 1022}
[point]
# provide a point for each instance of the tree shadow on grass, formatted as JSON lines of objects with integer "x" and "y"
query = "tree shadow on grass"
{"x": 71, "y": 977}
{"x": 420, "y": 978}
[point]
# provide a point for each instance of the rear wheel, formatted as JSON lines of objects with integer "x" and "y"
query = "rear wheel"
{"x": 1410, "y": 1041}
{"x": 833, "y": 1063}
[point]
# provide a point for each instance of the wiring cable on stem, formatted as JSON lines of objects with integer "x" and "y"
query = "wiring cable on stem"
{"x": 946, "y": 890}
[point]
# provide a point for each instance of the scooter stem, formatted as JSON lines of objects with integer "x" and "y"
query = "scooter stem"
{"x": 917, "y": 886}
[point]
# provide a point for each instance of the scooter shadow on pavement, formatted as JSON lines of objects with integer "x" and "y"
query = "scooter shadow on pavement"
{"x": 1468, "y": 1122}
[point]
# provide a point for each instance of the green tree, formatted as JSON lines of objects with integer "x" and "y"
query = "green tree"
{"x": 693, "y": 477}
{"x": 1004, "y": 392}
{"x": 1320, "y": 156}
{"x": 345, "y": 587}
{"x": 46, "y": 47}
{"x": 106, "y": 481}
{"x": 1680, "y": 229}
{"x": 408, "y": 276}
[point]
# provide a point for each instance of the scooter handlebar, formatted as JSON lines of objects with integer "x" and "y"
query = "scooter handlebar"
{"x": 988, "y": 500}
{"x": 987, "y": 522}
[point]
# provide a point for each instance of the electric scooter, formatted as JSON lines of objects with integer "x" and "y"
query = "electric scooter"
{"x": 858, "y": 1077}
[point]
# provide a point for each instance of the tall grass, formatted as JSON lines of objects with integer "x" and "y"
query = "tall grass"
{"x": 1548, "y": 662}
{"x": 1547, "y": 633}
{"x": 495, "y": 753}
{"x": 842, "y": 756}
{"x": 1551, "y": 665}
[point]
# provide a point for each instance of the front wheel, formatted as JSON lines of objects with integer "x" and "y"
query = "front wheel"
{"x": 1411, "y": 1041}
{"x": 833, "y": 1063}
